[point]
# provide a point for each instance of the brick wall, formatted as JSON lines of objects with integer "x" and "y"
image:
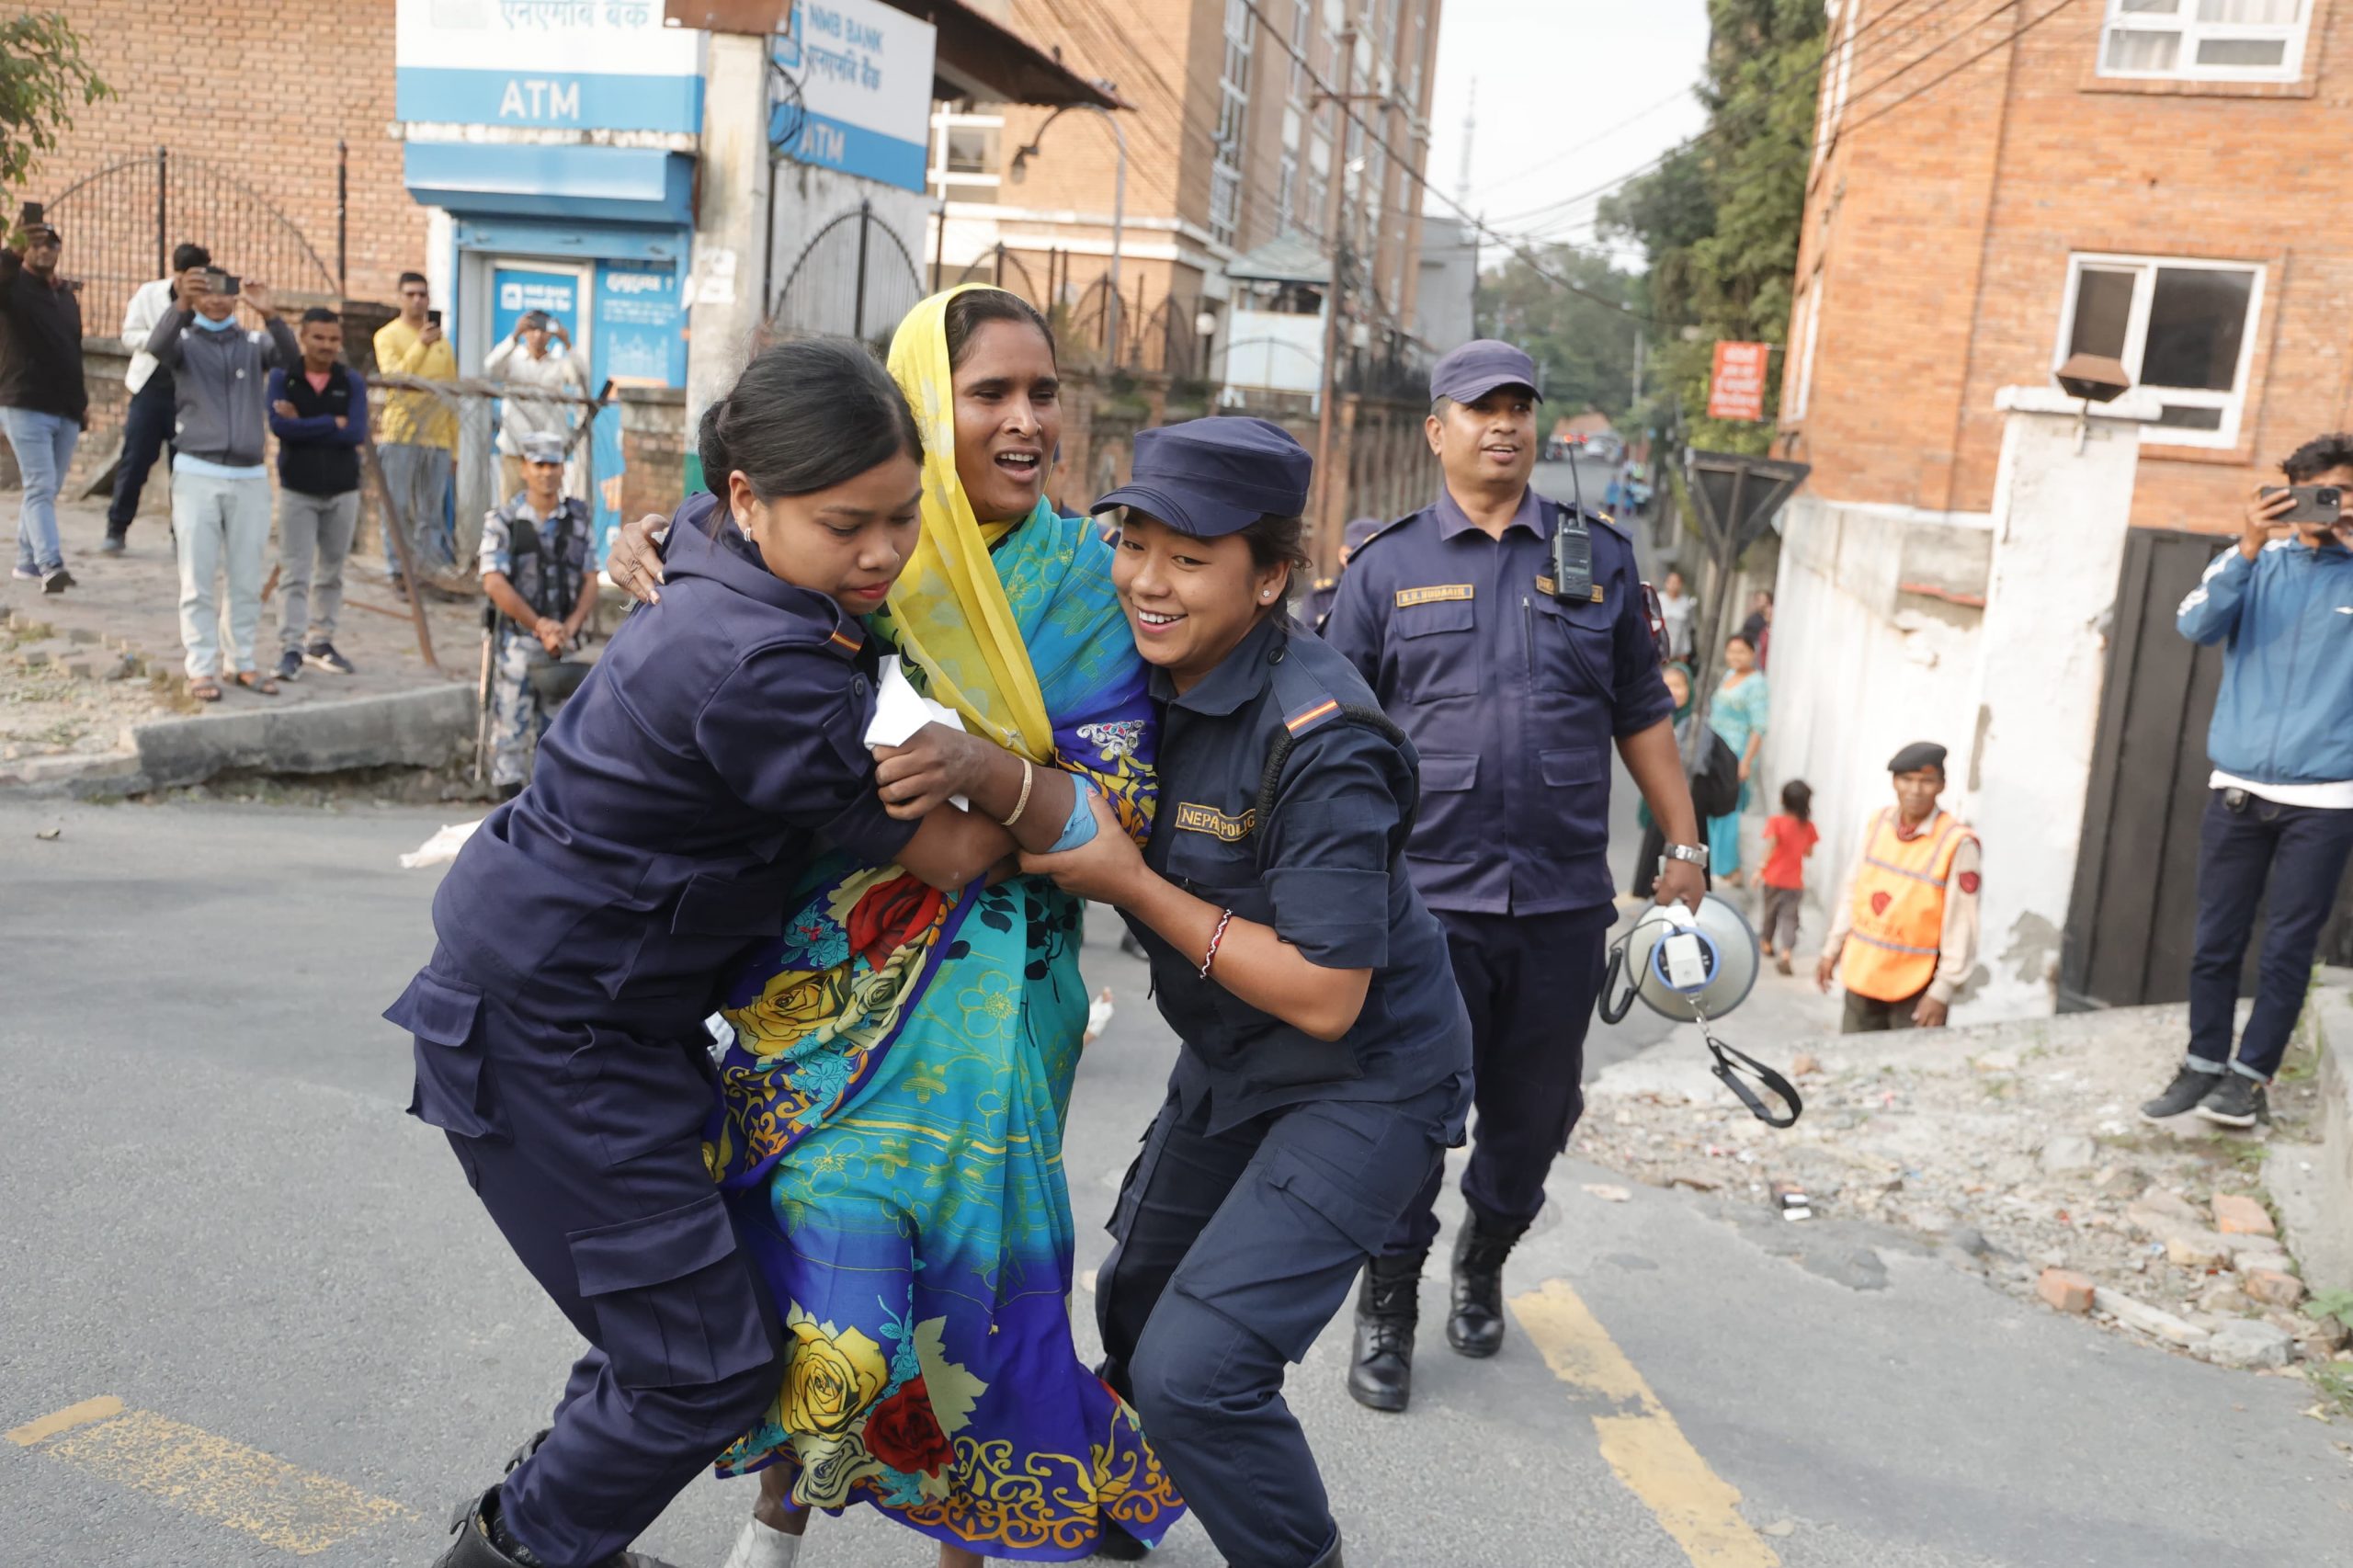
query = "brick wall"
{"x": 264, "y": 90}
{"x": 1939, "y": 237}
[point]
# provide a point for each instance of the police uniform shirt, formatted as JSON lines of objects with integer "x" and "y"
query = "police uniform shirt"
{"x": 711, "y": 754}
{"x": 497, "y": 551}
{"x": 1323, "y": 871}
{"x": 1511, "y": 694}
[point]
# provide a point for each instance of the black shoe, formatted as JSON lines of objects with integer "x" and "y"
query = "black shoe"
{"x": 1475, "y": 1326}
{"x": 2237, "y": 1101}
{"x": 1115, "y": 1543}
{"x": 113, "y": 544}
{"x": 290, "y": 665}
{"x": 483, "y": 1542}
{"x": 1331, "y": 1558}
{"x": 1130, "y": 945}
{"x": 56, "y": 579}
{"x": 1380, "y": 1363}
{"x": 2187, "y": 1092}
{"x": 324, "y": 655}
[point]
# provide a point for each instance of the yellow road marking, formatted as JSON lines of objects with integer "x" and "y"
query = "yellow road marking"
{"x": 211, "y": 1477}
{"x": 1639, "y": 1440}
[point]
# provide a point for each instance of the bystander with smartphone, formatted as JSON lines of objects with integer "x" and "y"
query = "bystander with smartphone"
{"x": 44, "y": 403}
{"x": 147, "y": 422}
{"x": 2279, "y": 825}
{"x": 536, "y": 353}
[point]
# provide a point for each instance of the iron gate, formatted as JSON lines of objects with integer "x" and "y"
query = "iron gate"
{"x": 854, "y": 278}
{"x": 121, "y": 224}
{"x": 2134, "y": 906}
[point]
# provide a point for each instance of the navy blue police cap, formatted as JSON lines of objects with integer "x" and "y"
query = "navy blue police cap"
{"x": 1215, "y": 476}
{"x": 1478, "y": 368}
{"x": 1358, "y": 530}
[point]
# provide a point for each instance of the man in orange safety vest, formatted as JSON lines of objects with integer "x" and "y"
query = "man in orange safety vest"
{"x": 1906, "y": 923}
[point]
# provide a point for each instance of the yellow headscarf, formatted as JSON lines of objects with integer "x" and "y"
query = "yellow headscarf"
{"x": 949, "y": 608}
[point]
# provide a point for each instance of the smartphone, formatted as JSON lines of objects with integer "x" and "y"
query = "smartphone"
{"x": 2317, "y": 506}
{"x": 30, "y": 214}
{"x": 433, "y": 318}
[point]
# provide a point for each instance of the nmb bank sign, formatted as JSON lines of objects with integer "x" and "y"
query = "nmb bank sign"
{"x": 547, "y": 64}
{"x": 863, "y": 73}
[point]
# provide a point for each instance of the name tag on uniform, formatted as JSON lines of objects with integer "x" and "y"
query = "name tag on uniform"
{"x": 1550, "y": 590}
{"x": 1437, "y": 594}
{"x": 1192, "y": 818}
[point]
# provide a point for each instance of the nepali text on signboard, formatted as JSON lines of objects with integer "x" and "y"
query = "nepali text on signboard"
{"x": 1736, "y": 389}
{"x": 546, "y": 64}
{"x": 863, "y": 73}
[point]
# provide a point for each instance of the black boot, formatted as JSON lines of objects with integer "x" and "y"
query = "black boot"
{"x": 1331, "y": 1558}
{"x": 482, "y": 1543}
{"x": 1114, "y": 1544}
{"x": 1380, "y": 1367}
{"x": 1475, "y": 1327}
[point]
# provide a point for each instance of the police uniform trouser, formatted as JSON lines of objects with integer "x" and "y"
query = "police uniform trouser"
{"x": 586, "y": 1146}
{"x": 1234, "y": 1250}
{"x": 518, "y": 717}
{"x": 1528, "y": 983}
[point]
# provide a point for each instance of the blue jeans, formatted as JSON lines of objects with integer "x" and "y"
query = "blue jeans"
{"x": 2301, "y": 852}
{"x": 44, "y": 447}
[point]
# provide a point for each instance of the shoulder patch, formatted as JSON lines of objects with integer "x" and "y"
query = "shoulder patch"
{"x": 1321, "y": 711}
{"x": 847, "y": 639}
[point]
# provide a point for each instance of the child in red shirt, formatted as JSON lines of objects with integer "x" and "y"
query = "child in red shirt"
{"x": 1792, "y": 836}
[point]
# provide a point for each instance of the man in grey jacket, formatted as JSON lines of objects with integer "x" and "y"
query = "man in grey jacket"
{"x": 219, "y": 487}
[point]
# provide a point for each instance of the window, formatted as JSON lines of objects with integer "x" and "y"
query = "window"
{"x": 1810, "y": 306}
{"x": 1285, "y": 192}
{"x": 1299, "y": 39}
{"x": 1319, "y": 203}
{"x": 2184, "y": 329}
{"x": 2208, "y": 40}
{"x": 1233, "y": 112}
{"x": 1834, "y": 79}
{"x": 965, "y": 143}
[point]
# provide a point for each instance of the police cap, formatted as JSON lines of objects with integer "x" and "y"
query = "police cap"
{"x": 1478, "y": 368}
{"x": 542, "y": 447}
{"x": 1215, "y": 476}
{"x": 1917, "y": 755}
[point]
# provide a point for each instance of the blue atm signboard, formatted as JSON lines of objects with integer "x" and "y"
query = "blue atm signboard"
{"x": 547, "y": 64}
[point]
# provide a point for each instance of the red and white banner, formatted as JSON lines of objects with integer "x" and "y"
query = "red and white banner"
{"x": 1736, "y": 389}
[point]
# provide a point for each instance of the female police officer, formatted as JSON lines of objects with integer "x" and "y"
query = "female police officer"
{"x": 1325, "y": 1058}
{"x": 678, "y": 798}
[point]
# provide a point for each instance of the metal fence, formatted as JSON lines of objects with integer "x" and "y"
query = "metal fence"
{"x": 854, "y": 278}
{"x": 121, "y": 222}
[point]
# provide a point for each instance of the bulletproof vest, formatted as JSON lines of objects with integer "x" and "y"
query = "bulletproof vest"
{"x": 549, "y": 583}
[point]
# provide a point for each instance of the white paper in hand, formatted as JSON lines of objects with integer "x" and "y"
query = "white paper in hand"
{"x": 899, "y": 711}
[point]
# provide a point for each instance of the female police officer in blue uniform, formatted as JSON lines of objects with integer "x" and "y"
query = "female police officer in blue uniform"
{"x": 558, "y": 1028}
{"x": 1325, "y": 1058}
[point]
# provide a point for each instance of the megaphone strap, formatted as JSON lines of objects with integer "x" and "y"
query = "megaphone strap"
{"x": 1725, "y": 1069}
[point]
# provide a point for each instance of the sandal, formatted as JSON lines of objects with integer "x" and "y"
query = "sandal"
{"x": 204, "y": 689}
{"x": 254, "y": 680}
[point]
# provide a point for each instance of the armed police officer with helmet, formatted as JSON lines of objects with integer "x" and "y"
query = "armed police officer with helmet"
{"x": 1505, "y": 635}
{"x": 539, "y": 566}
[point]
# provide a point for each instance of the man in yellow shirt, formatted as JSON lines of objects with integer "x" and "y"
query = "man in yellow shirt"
{"x": 417, "y": 432}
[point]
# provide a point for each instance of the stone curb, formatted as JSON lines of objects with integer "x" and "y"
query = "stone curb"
{"x": 416, "y": 729}
{"x": 2319, "y": 1206}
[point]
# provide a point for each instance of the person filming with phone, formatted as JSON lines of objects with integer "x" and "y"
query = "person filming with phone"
{"x": 44, "y": 403}
{"x": 2281, "y": 813}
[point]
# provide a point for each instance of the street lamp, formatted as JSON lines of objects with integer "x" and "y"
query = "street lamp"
{"x": 1019, "y": 170}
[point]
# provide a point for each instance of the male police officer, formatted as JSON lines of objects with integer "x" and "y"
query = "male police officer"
{"x": 539, "y": 566}
{"x": 1505, "y": 635}
{"x": 1316, "y": 608}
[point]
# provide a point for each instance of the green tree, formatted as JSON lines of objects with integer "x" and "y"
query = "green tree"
{"x": 1718, "y": 220}
{"x": 43, "y": 78}
{"x": 1582, "y": 347}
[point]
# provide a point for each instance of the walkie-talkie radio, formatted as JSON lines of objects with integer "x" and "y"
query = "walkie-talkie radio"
{"x": 1571, "y": 580}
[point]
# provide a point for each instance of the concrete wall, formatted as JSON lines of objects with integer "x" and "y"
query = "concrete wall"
{"x": 1875, "y": 642}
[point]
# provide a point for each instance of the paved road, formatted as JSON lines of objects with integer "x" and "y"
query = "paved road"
{"x": 217, "y": 1214}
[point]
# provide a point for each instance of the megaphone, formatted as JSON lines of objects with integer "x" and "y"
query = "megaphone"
{"x": 1694, "y": 968}
{"x": 1683, "y": 965}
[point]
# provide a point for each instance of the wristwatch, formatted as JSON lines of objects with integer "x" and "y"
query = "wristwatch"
{"x": 1694, "y": 853}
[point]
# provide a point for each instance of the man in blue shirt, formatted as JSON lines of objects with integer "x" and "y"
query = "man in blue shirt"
{"x": 2281, "y": 811}
{"x": 1505, "y": 635}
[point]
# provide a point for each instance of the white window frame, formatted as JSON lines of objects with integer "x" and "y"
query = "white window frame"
{"x": 942, "y": 122}
{"x": 2136, "y": 340}
{"x": 2183, "y": 19}
{"x": 1801, "y": 394}
{"x": 1834, "y": 79}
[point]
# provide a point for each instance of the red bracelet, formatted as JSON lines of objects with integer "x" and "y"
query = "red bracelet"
{"x": 1225, "y": 918}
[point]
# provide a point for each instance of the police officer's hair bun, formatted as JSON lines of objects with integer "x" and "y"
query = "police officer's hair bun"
{"x": 803, "y": 416}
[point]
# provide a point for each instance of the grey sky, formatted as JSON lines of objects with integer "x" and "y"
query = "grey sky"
{"x": 1571, "y": 93}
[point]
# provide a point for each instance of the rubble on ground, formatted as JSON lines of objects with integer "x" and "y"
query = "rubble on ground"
{"x": 2021, "y": 1151}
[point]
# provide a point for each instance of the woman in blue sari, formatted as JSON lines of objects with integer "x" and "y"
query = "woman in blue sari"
{"x": 891, "y": 1135}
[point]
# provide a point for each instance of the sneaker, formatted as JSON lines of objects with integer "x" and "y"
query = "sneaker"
{"x": 324, "y": 655}
{"x": 25, "y": 573}
{"x": 113, "y": 544}
{"x": 2187, "y": 1092}
{"x": 290, "y": 665}
{"x": 2238, "y": 1101}
{"x": 56, "y": 579}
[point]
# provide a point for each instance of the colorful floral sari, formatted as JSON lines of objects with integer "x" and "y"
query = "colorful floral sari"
{"x": 891, "y": 1127}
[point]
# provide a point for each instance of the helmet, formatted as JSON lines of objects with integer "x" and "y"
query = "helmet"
{"x": 1685, "y": 966}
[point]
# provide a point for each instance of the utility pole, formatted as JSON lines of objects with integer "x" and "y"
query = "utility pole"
{"x": 1328, "y": 377}
{"x": 1635, "y": 403}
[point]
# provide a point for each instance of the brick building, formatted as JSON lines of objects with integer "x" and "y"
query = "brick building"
{"x": 1229, "y": 148}
{"x": 2115, "y": 176}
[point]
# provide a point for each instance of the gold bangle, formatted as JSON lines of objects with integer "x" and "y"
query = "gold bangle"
{"x": 1028, "y": 778}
